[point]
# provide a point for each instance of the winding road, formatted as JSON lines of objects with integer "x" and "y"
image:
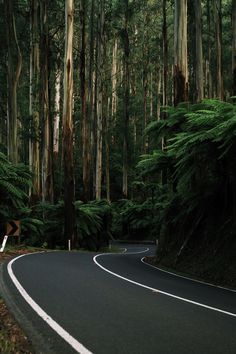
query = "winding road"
{"x": 78, "y": 302}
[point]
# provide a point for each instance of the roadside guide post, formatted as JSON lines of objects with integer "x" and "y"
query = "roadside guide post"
{"x": 13, "y": 229}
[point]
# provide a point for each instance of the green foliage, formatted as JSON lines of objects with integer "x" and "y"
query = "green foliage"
{"x": 92, "y": 221}
{"x": 14, "y": 181}
{"x": 134, "y": 219}
{"x": 93, "y": 224}
{"x": 200, "y": 163}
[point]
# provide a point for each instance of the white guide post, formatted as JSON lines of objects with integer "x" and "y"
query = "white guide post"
{"x": 4, "y": 243}
{"x": 69, "y": 246}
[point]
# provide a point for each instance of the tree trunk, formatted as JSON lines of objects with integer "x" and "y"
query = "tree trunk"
{"x": 56, "y": 125}
{"x": 114, "y": 78}
{"x": 165, "y": 54}
{"x": 126, "y": 100}
{"x": 47, "y": 166}
{"x": 234, "y": 46}
{"x": 180, "y": 53}
{"x": 199, "y": 60}
{"x": 91, "y": 94}
{"x": 218, "y": 38}
{"x": 67, "y": 133}
{"x": 14, "y": 65}
{"x": 107, "y": 145}
{"x": 34, "y": 153}
{"x": 100, "y": 62}
{"x": 85, "y": 121}
{"x": 165, "y": 80}
{"x": 208, "y": 73}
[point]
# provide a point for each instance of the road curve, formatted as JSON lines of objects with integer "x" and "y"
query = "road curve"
{"x": 115, "y": 304}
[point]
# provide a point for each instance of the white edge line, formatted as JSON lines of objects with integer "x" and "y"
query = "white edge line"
{"x": 182, "y": 276}
{"x": 53, "y": 324}
{"x": 157, "y": 290}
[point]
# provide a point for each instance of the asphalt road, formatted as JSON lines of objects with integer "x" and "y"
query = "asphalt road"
{"x": 148, "y": 312}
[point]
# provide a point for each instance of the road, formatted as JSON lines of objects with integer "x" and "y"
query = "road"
{"x": 116, "y": 304}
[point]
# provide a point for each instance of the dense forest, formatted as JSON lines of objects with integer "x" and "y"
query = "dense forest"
{"x": 118, "y": 121}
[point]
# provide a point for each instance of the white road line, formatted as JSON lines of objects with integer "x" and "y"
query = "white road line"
{"x": 181, "y": 276}
{"x": 53, "y": 324}
{"x": 157, "y": 290}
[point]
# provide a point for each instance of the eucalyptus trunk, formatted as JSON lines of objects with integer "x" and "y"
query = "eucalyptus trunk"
{"x": 180, "y": 52}
{"x": 100, "y": 67}
{"x": 218, "y": 39}
{"x": 199, "y": 60}
{"x": 234, "y": 46}
{"x": 57, "y": 105}
{"x": 114, "y": 78}
{"x": 126, "y": 98}
{"x": 67, "y": 133}
{"x": 34, "y": 152}
{"x": 92, "y": 80}
{"x": 165, "y": 53}
{"x": 14, "y": 65}
{"x": 47, "y": 144}
{"x": 85, "y": 118}
{"x": 165, "y": 79}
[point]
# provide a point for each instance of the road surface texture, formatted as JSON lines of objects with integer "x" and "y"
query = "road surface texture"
{"x": 70, "y": 302}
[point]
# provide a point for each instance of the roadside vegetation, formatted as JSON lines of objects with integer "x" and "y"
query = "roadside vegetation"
{"x": 191, "y": 211}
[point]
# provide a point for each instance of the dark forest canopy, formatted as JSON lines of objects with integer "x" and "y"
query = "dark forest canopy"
{"x": 84, "y": 90}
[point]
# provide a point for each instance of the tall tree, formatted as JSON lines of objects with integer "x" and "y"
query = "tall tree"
{"x": 67, "y": 133}
{"x": 126, "y": 100}
{"x": 165, "y": 53}
{"x": 180, "y": 52}
{"x": 34, "y": 150}
{"x": 234, "y": 45}
{"x": 47, "y": 166}
{"x": 14, "y": 65}
{"x": 100, "y": 85}
{"x": 85, "y": 118}
{"x": 199, "y": 58}
{"x": 218, "y": 38}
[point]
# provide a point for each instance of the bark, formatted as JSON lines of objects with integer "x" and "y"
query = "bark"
{"x": 114, "y": 78}
{"x": 208, "y": 74}
{"x": 85, "y": 120}
{"x": 199, "y": 60}
{"x": 107, "y": 146}
{"x": 100, "y": 63}
{"x": 165, "y": 53}
{"x": 234, "y": 46}
{"x": 165, "y": 79}
{"x": 218, "y": 38}
{"x": 47, "y": 165}
{"x": 14, "y": 65}
{"x": 145, "y": 80}
{"x": 34, "y": 153}
{"x": 92, "y": 95}
{"x": 126, "y": 100}
{"x": 67, "y": 133}
{"x": 180, "y": 53}
{"x": 56, "y": 124}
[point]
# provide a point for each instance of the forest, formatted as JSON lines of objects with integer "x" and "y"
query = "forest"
{"x": 118, "y": 121}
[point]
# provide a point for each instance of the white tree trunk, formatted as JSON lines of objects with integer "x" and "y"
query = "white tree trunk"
{"x": 180, "y": 52}
{"x": 57, "y": 112}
